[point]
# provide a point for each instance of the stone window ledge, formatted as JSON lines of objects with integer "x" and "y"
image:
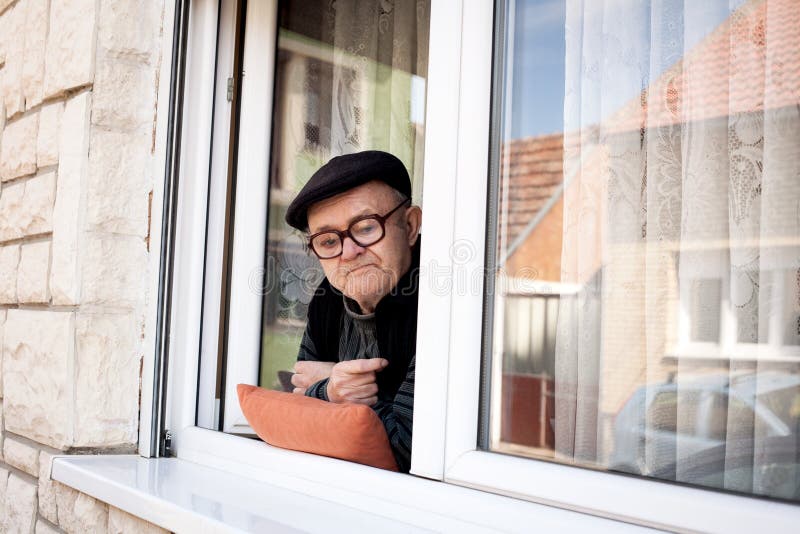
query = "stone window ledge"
{"x": 182, "y": 496}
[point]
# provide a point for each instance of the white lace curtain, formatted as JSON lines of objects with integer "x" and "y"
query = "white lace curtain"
{"x": 682, "y": 138}
{"x": 354, "y": 79}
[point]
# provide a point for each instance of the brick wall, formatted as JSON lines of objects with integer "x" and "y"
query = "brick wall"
{"x": 78, "y": 85}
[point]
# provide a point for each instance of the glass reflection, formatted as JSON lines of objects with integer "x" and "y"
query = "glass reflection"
{"x": 648, "y": 262}
{"x": 349, "y": 76}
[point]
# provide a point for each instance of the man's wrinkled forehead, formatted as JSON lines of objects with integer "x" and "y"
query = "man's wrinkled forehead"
{"x": 340, "y": 210}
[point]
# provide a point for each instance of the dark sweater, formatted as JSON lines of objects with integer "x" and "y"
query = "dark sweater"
{"x": 333, "y": 335}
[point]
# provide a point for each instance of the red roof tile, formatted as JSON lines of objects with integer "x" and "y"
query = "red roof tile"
{"x": 751, "y": 62}
{"x": 726, "y": 73}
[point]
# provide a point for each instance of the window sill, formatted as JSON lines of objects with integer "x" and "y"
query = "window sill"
{"x": 184, "y": 496}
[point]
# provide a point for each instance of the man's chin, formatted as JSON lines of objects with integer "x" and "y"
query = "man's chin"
{"x": 359, "y": 271}
{"x": 367, "y": 288}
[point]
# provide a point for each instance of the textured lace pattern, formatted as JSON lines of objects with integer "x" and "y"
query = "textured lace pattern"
{"x": 695, "y": 180}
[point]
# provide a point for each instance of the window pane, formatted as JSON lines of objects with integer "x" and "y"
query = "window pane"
{"x": 704, "y": 313}
{"x": 647, "y": 260}
{"x": 349, "y": 76}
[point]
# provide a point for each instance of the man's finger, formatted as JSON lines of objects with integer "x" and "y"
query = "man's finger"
{"x": 359, "y": 379}
{"x": 363, "y": 366}
{"x": 297, "y": 380}
{"x": 301, "y": 391}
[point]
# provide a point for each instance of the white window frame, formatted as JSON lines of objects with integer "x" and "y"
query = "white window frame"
{"x": 208, "y": 406}
{"x": 449, "y": 329}
{"x": 728, "y": 348}
{"x": 252, "y": 186}
{"x": 190, "y": 232}
{"x": 201, "y": 206}
{"x": 449, "y": 365}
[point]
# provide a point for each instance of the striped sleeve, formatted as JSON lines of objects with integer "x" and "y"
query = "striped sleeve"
{"x": 397, "y": 417}
{"x": 308, "y": 353}
{"x": 318, "y": 390}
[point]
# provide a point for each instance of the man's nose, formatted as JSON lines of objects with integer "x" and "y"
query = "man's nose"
{"x": 350, "y": 249}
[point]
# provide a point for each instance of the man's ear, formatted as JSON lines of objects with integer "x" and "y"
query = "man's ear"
{"x": 413, "y": 223}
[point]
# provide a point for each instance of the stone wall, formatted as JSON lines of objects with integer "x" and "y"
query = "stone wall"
{"x": 78, "y": 86}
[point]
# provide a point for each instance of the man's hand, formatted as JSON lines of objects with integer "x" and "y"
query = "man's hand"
{"x": 308, "y": 373}
{"x": 354, "y": 381}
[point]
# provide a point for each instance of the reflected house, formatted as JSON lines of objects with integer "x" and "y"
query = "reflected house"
{"x": 531, "y": 212}
{"x": 718, "y": 89}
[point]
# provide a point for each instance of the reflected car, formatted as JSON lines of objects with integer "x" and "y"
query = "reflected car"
{"x": 709, "y": 427}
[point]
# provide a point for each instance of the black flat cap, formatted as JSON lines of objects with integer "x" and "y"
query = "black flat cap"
{"x": 346, "y": 172}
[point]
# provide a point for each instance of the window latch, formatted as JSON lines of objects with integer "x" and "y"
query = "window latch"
{"x": 230, "y": 89}
{"x": 166, "y": 443}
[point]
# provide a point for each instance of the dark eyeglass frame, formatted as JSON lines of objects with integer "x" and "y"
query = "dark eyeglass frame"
{"x": 346, "y": 233}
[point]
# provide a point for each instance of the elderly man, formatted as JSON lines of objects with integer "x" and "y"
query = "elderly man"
{"x": 359, "y": 344}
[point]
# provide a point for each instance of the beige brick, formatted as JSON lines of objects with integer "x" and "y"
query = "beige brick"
{"x": 124, "y": 94}
{"x": 47, "y": 142}
{"x": 12, "y": 42}
{"x": 114, "y": 270}
{"x": 43, "y": 527}
{"x": 38, "y": 374}
{"x": 70, "y": 46}
{"x": 3, "y": 488}
{"x": 34, "y": 264}
{"x": 119, "y": 182}
{"x": 2, "y": 330}
{"x": 70, "y": 201}
{"x": 9, "y": 262}
{"x": 47, "y": 489}
{"x": 35, "y": 36}
{"x": 26, "y": 208}
{"x": 128, "y": 27}
{"x": 21, "y": 455}
{"x": 120, "y": 522}
{"x": 40, "y": 193}
{"x": 107, "y": 385}
{"x": 11, "y": 210}
{"x": 20, "y": 505}
{"x": 80, "y": 514}
{"x": 18, "y": 151}
{"x": 2, "y": 104}
{"x": 30, "y": 214}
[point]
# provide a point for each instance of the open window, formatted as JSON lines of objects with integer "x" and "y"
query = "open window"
{"x": 609, "y": 293}
{"x": 296, "y": 84}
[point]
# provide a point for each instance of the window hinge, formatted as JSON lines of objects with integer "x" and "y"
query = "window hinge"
{"x": 230, "y": 89}
{"x": 166, "y": 443}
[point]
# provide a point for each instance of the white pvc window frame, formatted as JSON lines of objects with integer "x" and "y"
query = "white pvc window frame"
{"x": 191, "y": 214}
{"x": 449, "y": 327}
{"x": 200, "y": 228}
{"x": 251, "y": 206}
{"x": 449, "y": 333}
{"x": 208, "y": 406}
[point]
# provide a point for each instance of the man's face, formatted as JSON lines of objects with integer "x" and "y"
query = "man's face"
{"x": 367, "y": 274}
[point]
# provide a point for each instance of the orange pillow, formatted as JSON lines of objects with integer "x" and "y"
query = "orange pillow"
{"x": 351, "y": 432}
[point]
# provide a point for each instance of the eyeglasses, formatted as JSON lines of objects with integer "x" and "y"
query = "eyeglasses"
{"x": 364, "y": 231}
